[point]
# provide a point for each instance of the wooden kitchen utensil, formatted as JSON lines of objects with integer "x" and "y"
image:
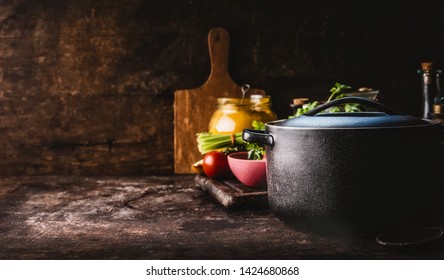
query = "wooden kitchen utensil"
{"x": 193, "y": 107}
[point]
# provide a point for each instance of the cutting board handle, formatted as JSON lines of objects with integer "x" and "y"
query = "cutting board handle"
{"x": 219, "y": 44}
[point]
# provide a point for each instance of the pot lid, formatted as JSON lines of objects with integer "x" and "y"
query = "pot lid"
{"x": 384, "y": 117}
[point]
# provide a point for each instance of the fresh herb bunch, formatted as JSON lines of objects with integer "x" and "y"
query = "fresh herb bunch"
{"x": 305, "y": 108}
{"x": 337, "y": 91}
{"x": 255, "y": 150}
{"x": 258, "y": 125}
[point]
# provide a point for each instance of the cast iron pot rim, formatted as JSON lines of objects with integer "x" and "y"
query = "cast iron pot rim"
{"x": 429, "y": 123}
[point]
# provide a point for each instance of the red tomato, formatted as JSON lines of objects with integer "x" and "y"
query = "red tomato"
{"x": 215, "y": 165}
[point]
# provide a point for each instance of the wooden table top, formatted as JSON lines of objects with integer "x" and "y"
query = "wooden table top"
{"x": 158, "y": 218}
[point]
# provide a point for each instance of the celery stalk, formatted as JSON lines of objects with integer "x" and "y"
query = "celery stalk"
{"x": 207, "y": 142}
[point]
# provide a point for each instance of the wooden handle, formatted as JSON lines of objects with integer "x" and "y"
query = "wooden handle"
{"x": 218, "y": 44}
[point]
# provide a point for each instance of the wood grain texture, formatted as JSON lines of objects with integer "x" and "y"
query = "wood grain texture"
{"x": 193, "y": 107}
{"x": 232, "y": 194}
{"x": 75, "y": 93}
{"x": 55, "y": 217}
{"x": 78, "y": 77}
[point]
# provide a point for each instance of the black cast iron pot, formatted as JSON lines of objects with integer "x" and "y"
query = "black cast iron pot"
{"x": 362, "y": 171}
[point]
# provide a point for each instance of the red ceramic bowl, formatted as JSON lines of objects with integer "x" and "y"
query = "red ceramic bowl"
{"x": 251, "y": 173}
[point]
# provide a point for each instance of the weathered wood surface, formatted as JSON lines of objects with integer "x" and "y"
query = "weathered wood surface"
{"x": 156, "y": 218}
{"x": 80, "y": 76}
{"x": 233, "y": 194}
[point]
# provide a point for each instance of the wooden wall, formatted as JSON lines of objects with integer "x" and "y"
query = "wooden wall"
{"x": 86, "y": 86}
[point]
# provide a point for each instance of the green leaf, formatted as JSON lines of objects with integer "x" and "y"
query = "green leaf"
{"x": 336, "y": 90}
{"x": 353, "y": 107}
{"x": 305, "y": 108}
{"x": 258, "y": 125}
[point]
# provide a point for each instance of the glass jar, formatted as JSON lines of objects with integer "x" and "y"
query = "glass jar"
{"x": 234, "y": 114}
{"x": 438, "y": 113}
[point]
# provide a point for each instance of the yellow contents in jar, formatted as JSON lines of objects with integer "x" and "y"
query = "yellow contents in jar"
{"x": 235, "y": 114}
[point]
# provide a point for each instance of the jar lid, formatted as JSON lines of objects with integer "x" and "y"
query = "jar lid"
{"x": 385, "y": 117}
{"x": 247, "y": 101}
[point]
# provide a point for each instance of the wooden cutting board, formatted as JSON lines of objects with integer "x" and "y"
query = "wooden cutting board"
{"x": 193, "y": 108}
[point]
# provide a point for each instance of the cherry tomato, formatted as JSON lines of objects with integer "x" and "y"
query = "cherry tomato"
{"x": 215, "y": 165}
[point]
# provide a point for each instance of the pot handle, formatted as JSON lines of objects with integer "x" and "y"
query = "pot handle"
{"x": 351, "y": 99}
{"x": 258, "y": 136}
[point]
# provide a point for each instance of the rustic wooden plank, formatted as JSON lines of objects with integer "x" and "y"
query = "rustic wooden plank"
{"x": 78, "y": 75}
{"x": 193, "y": 107}
{"x": 157, "y": 218}
{"x": 232, "y": 194}
{"x": 86, "y": 71}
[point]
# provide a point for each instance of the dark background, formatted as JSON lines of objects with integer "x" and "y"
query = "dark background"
{"x": 86, "y": 87}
